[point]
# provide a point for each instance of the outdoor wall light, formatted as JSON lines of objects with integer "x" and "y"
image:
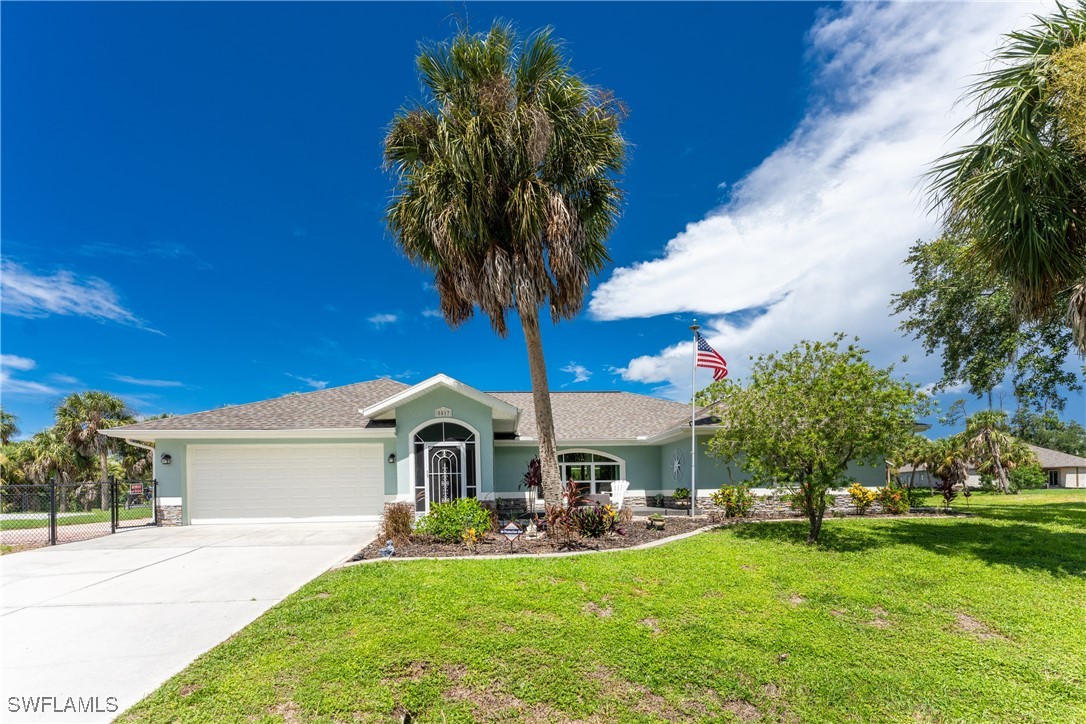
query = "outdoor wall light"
{"x": 166, "y": 459}
{"x": 392, "y": 458}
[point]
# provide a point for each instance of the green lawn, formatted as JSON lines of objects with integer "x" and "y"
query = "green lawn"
{"x": 90, "y": 516}
{"x": 965, "y": 619}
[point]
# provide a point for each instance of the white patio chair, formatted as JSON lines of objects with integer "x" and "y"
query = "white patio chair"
{"x": 618, "y": 492}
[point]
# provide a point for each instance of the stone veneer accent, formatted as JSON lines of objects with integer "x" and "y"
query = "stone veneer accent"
{"x": 765, "y": 506}
{"x": 169, "y": 515}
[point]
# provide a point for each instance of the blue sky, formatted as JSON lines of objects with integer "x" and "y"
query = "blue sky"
{"x": 193, "y": 193}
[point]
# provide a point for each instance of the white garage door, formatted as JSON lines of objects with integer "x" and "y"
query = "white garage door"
{"x": 284, "y": 482}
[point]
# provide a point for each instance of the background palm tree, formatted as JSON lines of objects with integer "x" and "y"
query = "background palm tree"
{"x": 48, "y": 454}
{"x": 81, "y": 416}
{"x": 947, "y": 460}
{"x": 994, "y": 451}
{"x": 9, "y": 426}
{"x": 506, "y": 189}
{"x": 1019, "y": 191}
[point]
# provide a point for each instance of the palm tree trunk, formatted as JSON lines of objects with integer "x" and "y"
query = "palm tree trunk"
{"x": 541, "y": 397}
{"x": 1001, "y": 473}
{"x": 103, "y": 461}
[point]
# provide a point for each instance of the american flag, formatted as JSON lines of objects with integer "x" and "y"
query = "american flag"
{"x": 710, "y": 358}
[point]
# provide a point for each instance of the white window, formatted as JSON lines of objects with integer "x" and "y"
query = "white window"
{"x": 592, "y": 471}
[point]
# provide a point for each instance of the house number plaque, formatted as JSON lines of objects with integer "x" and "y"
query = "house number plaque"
{"x": 443, "y": 412}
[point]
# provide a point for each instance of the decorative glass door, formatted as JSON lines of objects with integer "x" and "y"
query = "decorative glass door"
{"x": 444, "y": 473}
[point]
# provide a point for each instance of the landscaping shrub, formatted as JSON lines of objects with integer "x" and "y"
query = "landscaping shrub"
{"x": 595, "y": 521}
{"x": 448, "y": 521}
{"x": 397, "y": 522}
{"x": 681, "y": 494}
{"x": 863, "y": 498}
{"x": 894, "y": 499}
{"x": 1027, "y": 477}
{"x": 736, "y": 500}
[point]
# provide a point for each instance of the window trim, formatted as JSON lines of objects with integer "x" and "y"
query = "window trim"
{"x": 611, "y": 459}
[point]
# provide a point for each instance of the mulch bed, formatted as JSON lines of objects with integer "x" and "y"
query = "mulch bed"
{"x": 637, "y": 532}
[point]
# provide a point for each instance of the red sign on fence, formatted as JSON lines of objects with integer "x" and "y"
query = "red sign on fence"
{"x": 136, "y": 489}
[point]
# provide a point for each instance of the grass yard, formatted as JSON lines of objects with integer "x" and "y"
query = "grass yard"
{"x": 76, "y": 518}
{"x": 965, "y": 619}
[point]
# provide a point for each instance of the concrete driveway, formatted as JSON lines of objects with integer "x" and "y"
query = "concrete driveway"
{"x": 116, "y": 616}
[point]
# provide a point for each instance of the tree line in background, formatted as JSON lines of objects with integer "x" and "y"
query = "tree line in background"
{"x": 1002, "y": 292}
{"x": 73, "y": 451}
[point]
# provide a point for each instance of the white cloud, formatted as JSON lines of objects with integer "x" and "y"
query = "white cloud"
{"x": 64, "y": 379}
{"x": 382, "y": 320}
{"x": 315, "y": 384}
{"x": 13, "y": 386}
{"x": 580, "y": 373}
{"x": 432, "y": 313}
{"x": 28, "y": 294}
{"x": 815, "y": 235}
{"x": 16, "y": 362}
{"x": 146, "y": 383}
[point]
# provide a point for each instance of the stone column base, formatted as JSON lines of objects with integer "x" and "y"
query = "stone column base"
{"x": 169, "y": 515}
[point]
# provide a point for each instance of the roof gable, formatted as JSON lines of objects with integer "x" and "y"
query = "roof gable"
{"x": 385, "y": 409}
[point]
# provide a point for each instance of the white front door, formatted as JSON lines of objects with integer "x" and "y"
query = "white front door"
{"x": 254, "y": 483}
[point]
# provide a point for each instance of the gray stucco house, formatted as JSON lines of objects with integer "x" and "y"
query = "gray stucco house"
{"x": 342, "y": 453}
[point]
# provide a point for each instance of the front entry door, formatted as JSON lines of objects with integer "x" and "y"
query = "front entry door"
{"x": 444, "y": 472}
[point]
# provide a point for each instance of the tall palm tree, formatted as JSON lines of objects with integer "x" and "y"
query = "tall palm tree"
{"x": 9, "y": 426}
{"x": 81, "y": 416}
{"x": 1020, "y": 189}
{"x": 506, "y": 189}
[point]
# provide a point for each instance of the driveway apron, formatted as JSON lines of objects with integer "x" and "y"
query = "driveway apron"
{"x": 99, "y": 624}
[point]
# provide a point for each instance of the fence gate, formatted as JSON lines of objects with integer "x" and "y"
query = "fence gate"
{"x": 133, "y": 504}
{"x": 43, "y": 514}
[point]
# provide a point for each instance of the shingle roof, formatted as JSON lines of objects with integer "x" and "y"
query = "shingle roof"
{"x": 1056, "y": 459}
{"x": 599, "y": 415}
{"x": 336, "y": 407}
{"x": 577, "y": 415}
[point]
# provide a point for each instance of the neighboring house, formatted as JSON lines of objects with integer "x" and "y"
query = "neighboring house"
{"x": 1063, "y": 470}
{"x": 342, "y": 453}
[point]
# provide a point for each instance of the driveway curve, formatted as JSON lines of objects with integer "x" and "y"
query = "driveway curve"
{"x": 92, "y": 627}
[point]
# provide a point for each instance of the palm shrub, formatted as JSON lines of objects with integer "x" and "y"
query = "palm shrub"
{"x": 448, "y": 521}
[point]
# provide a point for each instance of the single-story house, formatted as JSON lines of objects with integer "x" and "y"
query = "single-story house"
{"x": 1063, "y": 470}
{"x": 342, "y": 453}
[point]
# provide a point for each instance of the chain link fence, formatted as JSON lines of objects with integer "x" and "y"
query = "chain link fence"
{"x": 40, "y": 514}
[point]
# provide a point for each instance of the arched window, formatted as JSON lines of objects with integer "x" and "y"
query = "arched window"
{"x": 592, "y": 471}
{"x": 445, "y": 464}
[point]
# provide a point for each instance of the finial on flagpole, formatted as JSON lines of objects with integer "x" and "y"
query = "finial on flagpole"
{"x": 695, "y": 326}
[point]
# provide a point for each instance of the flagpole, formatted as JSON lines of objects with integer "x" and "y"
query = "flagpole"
{"x": 693, "y": 414}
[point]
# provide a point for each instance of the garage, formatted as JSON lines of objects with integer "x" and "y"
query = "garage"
{"x": 283, "y": 483}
